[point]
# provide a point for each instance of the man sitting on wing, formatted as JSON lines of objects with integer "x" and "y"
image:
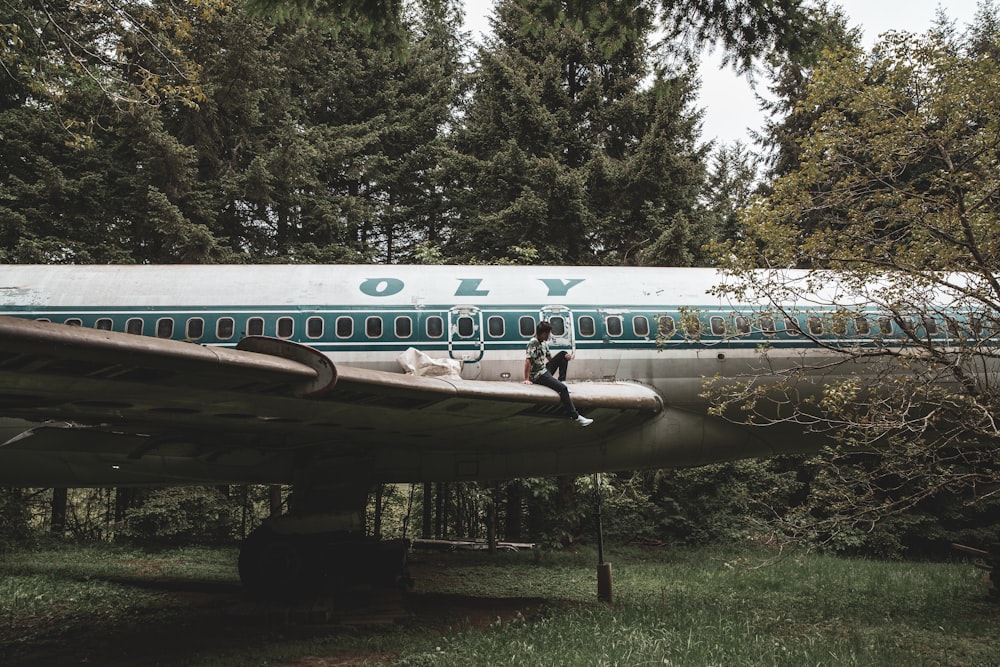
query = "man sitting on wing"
{"x": 539, "y": 366}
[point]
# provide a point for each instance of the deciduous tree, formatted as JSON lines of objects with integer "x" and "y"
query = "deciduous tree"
{"x": 896, "y": 194}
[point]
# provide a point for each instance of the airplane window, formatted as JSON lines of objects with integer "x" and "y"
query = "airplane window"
{"x": 614, "y": 325}
{"x": 225, "y": 328}
{"x": 465, "y": 326}
{"x": 640, "y": 325}
{"x": 104, "y": 324}
{"x": 692, "y": 325}
{"x": 435, "y": 326}
{"x": 930, "y": 326}
{"x": 976, "y": 326}
{"x": 840, "y": 325}
{"x": 907, "y": 324}
{"x": 74, "y": 322}
{"x": 815, "y": 325}
{"x": 586, "y": 326}
{"x": 403, "y": 327}
{"x": 955, "y": 328}
{"x": 495, "y": 326}
{"x": 885, "y": 325}
{"x": 526, "y": 325}
{"x": 718, "y": 325}
{"x": 742, "y": 324}
{"x": 314, "y": 327}
{"x": 345, "y": 327}
{"x": 195, "y": 328}
{"x": 285, "y": 328}
{"x": 767, "y": 326}
{"x": 862, "y": 325}
{"x": 558, "y": 325}
{"x": 792, "y": 326}
{"x": 134, "y": 326}
{"x": 255, "y": 326}
{"x": 666, "y": 326}
{"x": 165, "y": 327}
{"x": 373, "y": 327}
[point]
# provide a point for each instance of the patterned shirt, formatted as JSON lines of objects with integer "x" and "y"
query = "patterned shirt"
{"x": 538, "y": 352}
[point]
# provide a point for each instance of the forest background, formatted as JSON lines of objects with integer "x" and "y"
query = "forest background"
{"x": 221, "y": 131}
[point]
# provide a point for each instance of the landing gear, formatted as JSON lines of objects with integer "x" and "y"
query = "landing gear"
{"x": 319, "y": 547}
{"x": 327, "y": 563}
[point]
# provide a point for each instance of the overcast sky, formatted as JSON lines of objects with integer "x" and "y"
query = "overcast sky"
{"x": 730, "y": 107}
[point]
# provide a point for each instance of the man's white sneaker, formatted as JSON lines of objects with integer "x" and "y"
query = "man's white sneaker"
{"x": 583, "y": 421}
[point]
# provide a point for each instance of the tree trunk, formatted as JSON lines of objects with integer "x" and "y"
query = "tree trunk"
{"x": 426, "y": 527}
{"x": 274, "y": 500}
{"x": 566, "y": 509}
{"x": 57, "y": 523}
{"x": 491, "y": 519}
{"x": 377, "y": 527}
{"x": 514, "y": 511}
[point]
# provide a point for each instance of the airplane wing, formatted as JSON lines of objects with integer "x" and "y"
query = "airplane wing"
{"x": 84, "y": 407}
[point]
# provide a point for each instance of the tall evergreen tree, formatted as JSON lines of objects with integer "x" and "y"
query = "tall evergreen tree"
{"x": 351, "y": 162}
{"x": 730, "y": 186}
{"x": 425, "y": 99}
{"x": 745, "y": 28}
{"x": 789, "y": 123}
{"x": 89, "y": 174}
{"x": 569, "y": 156}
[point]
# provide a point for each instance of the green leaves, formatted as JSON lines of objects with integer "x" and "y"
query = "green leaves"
{"x": 899, "y": 157}
{"x": 896, "y": 190}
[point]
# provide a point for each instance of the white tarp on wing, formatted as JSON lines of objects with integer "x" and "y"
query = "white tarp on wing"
{"x": 415, "y": 362}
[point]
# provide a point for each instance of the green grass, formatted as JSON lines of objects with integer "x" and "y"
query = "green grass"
{"x": 672, "y": 607}
{"x": 709, "y": 607}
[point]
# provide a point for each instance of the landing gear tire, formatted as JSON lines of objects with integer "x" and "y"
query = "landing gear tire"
{"x": 272, "y": 564}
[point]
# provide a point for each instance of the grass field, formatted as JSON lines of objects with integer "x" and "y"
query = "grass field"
{"x": 110, "y": 605}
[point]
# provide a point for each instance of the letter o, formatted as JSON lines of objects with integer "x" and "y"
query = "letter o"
{"x": 382, "y": 286}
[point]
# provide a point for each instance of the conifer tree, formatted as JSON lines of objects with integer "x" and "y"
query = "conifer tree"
{"x": 347, "y": 172}
{"x": 89, "y": 173}
{"x": 569, "y": 155}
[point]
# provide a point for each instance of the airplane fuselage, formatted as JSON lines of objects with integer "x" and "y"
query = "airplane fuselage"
{"x": 663, "y": 328}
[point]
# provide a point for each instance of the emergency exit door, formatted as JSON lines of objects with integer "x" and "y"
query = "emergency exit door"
{"x": 563, "y": 331}
{"x": 465, "y": 334}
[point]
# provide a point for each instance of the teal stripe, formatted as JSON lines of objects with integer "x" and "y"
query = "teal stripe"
{"x": 272, "y": 316}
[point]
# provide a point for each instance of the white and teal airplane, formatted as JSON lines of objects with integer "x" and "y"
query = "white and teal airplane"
{"x": 290, "y": 374}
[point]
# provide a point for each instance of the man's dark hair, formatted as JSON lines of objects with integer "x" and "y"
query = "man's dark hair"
{"x": 543, "y": 327}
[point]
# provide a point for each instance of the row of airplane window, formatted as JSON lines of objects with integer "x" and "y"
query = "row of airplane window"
{"x": 374, "y": 326}
{"x": 465, "y": 326}
{"x": 815, "y": 325}
{"x": 885, "y": 325}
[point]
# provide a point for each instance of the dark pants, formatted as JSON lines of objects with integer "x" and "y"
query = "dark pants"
{"x": 558, "y": 363}
{"x": 546, "y": 380}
